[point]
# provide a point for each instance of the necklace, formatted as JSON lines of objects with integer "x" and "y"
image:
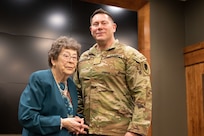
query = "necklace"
{"x": 63, "y": 88}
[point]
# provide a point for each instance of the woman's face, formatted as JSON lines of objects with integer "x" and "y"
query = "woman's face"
{"x": 66, "y": 62}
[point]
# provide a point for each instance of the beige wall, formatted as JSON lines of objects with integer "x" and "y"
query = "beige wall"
{"x": 168, "y": 76}
{"x": 194, "y": 20}
{"x": 174, "y": 25}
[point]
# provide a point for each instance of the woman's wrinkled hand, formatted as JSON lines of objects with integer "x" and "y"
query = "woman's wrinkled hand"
{"x": 75, "y": 125}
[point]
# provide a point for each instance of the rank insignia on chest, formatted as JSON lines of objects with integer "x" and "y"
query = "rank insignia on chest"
{"x": 97, "y": 60}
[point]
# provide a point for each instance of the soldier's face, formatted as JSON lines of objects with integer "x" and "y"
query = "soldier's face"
{"x": 102, "y": 27}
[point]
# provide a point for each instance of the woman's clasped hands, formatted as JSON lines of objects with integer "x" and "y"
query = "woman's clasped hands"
{"x": 75, "y": 125}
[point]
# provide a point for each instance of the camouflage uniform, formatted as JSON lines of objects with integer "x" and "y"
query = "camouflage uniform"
{"x": 115, "y": 90}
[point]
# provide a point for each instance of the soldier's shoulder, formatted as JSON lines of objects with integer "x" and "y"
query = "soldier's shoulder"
{"x": 130, "y": 51}
{"x": 138, "y": 57}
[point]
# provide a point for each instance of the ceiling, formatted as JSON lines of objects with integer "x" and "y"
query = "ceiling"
{"x": 128, "y": 4}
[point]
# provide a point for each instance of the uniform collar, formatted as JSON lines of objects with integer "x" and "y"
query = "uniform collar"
{"x": 93, "y": 50}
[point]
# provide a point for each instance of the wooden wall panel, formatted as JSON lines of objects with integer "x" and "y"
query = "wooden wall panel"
{"x": 194, "y": 71}
{"x": 194, "y": 94}
{"x": 194, "y": 54}
{"x": 144, "y": 30}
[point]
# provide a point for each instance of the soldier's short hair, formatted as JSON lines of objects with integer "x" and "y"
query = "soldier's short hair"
{"x": 101, "y": 11}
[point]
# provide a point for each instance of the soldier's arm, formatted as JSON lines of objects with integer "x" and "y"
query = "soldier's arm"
{"x": 79, "y": 93}
{"x": 138, "y": 80}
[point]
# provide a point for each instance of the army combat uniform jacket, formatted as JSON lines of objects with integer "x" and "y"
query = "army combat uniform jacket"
{"x": 115, "y": 90}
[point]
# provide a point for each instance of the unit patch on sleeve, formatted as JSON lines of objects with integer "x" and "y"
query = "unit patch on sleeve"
{"x": 146, "y": 68}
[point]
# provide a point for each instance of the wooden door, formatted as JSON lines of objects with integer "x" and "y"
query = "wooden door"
{"x": 194, "y": 71}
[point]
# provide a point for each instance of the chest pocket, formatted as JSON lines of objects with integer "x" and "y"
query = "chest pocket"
{"x": 113, "y": 64}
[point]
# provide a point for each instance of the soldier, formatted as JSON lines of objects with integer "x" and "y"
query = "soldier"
{"x": 113, "y": 81}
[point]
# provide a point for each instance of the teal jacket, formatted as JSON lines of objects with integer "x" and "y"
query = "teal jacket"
{"x": 41, "y": 105}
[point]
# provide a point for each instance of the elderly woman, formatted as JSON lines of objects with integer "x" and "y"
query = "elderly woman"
{"x": 48, "y": 104}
